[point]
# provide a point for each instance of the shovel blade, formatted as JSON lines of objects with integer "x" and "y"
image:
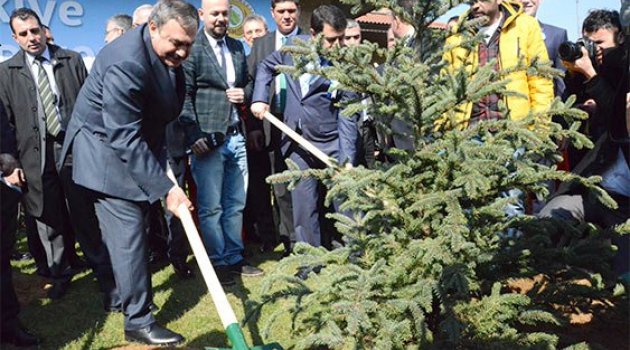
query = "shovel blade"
{"x": 272, "y": 346}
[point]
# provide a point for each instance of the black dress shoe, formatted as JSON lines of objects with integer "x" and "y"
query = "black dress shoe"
{"x": 182, "y": 269}
{"x": 154, "y": 335}
{"x": 18, "y": 336}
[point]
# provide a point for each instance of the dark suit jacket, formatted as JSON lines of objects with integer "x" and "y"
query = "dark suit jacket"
{"x": 262, "y": 48}
{"x": 118, "y": 125}
{"x": 206, "y": 108}
{"x": 315, "y": 112}
{"x": 554, "y": 36}
{"x": 18, "y": 93}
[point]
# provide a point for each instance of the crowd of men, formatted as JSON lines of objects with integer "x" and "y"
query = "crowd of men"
{"x": 87, "y": 155}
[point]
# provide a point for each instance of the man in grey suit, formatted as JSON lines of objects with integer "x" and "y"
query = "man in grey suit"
{"x": 553, "y": 36}
{"x": 265, "y": 139}
{"x": 217, "y": 87}
{"x": 311, "y": 111}
{"x": 116, "y": 135}
{"x": 38, "y": 88}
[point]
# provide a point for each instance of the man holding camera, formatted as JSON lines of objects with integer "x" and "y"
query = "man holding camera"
{"x": 603, "y": 73}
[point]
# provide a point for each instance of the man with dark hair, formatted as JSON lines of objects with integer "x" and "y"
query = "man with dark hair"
{"x": 608, "y": 87}
{"x": 603, "y": 28}
{"x": 264, "y": 155}
{"x": 38, "y": 88}
{"x": 311, "y": 111}
{"x": 116, "y": 135}
{"x": 116, "y": 26}
{"x": 217, "y": 87}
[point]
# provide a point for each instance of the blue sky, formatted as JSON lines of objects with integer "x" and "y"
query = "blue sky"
{"x": 567, "y": 14}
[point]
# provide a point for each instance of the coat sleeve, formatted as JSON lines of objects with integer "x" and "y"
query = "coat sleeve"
{"x": 265, "y": 74}
{"x": 540, "y": 88}
{"x": 123, "y": 99}
{"x": 188, "y": 116}
{"x": 348, "y": 132}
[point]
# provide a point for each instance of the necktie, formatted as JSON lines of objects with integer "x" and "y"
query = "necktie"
{"x": 221, "y": 45}
{"x": 48, "y": 99}
{"x": 283, "y": 83}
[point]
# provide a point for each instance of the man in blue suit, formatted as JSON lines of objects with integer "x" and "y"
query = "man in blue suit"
{"x": 311, "y": 111}
{"x": 116, "y": 135}
{"x": 553, "y": 36}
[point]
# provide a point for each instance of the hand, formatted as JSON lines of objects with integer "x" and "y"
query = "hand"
{"x": 175, "y": 198}
{"x": 200, "y": 147}
{"x": 259, "y": 109}
{"x": 235, "y": 95}
{"x": 582, "y": 65}
{"x": 16, "y": 178}
{"x": 255, "y": 140}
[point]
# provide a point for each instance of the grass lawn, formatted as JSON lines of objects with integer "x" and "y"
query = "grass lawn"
{"x": 78, "y": 321}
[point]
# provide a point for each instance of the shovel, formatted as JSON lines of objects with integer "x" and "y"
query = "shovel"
{"x": 226, "y": 313}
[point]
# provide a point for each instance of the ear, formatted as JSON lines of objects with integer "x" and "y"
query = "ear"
{"x": 313, "y": 34}
{"x": 153, "y": 28}
{"x": 200, "y": 13}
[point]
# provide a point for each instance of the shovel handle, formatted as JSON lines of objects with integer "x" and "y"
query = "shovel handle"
{"x": 299, "y": 139}
{"x": 226, "y": 313}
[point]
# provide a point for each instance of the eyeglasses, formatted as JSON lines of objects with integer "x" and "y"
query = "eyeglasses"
{"x": 111, "y": 30}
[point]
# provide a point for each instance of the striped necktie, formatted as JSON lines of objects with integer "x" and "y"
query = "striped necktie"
{"x": 48, "y": 99}
{"x": 283, "y": 83}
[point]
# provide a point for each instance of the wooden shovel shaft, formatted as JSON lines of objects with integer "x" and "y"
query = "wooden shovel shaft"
{"x": 299, "y": 139}
{"x": 226, "y": 313}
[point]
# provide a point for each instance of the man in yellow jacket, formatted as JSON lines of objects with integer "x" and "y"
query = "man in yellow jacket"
{"x": 510, "y": 36}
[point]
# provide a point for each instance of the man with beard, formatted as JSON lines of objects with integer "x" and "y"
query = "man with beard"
{"x": 217, "y": 87}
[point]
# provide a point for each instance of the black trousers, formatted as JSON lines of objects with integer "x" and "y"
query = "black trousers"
{"x": 9, "y": 307}
{"x": 258, "y": 212}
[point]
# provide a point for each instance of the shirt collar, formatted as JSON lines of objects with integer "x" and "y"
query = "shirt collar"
{"x": 290, "y": 35}
{"x": 213, "y": 42}
{"x": 30, "y": 58}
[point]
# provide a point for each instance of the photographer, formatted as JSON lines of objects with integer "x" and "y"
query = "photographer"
{"x": 607, "y": 85}
{"x": 592, "y": 80}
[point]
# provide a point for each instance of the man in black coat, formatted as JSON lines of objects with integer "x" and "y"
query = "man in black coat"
{"x": 264, "y": 139}
{"x": 116, "y": 134}
{"x": 38, "y": 88}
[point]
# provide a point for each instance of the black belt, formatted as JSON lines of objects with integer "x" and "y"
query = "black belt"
{"x": 234, "y": 129}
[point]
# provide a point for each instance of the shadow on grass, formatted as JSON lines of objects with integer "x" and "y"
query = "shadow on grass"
{"x": 78, "y": 315}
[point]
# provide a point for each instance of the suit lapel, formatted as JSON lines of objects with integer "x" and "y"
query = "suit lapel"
{"x": 212, "y": 58}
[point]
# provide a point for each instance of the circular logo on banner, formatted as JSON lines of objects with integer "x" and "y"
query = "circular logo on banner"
{"x": 239, "y": 9}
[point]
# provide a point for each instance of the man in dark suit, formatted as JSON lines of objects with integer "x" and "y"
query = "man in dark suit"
{"x": 217, "y": 86}
{"x": 311, "y": 111}
{"x": 11, "y": 330}
{"x": 264, "y": 138}
{"x": 116, "y": 134}
{"x": 38, "y": 88}
{"x": 553, "y": 36}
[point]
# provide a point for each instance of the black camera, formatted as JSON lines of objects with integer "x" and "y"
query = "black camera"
{"x": 570, "y": 51}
